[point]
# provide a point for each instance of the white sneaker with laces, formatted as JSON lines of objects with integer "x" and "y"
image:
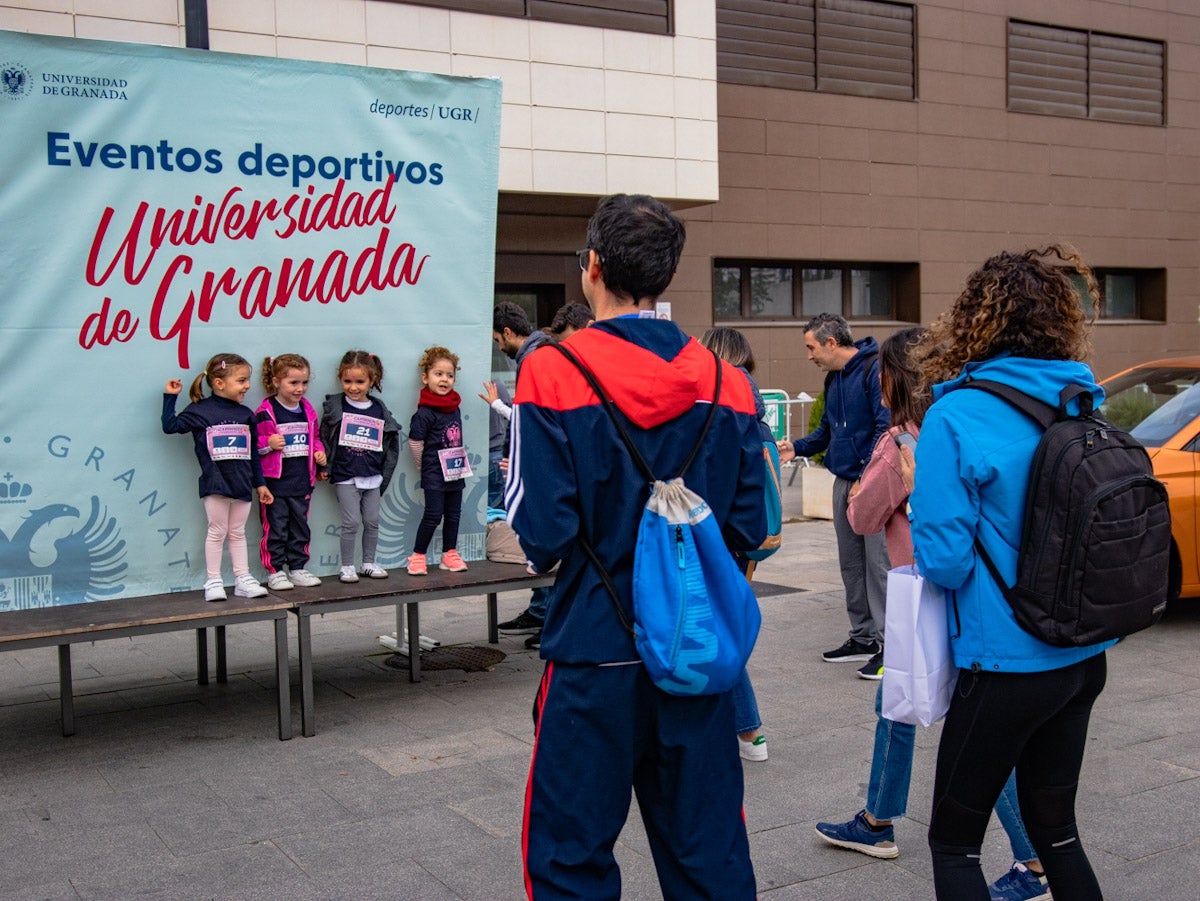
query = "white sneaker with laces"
{"x": 347, "y": 574}
{"x": 214, "y": 590}
{"x": 302, "y": 578}
{"x": 374, "y": 571}
{"x": 246, "y": 586}
{"x": 279, "y": 581}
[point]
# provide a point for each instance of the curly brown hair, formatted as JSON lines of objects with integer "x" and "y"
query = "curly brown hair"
{"x": 1015, "y": 302}
{"x": 435, "y": 353}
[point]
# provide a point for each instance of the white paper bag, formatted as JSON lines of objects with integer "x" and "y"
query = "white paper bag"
{"x": 918, "y": 668}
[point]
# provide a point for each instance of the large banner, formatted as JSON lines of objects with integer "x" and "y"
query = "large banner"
{"x": 159, "y": 206}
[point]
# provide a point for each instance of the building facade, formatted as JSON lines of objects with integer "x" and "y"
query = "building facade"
{"x": 859, "y": 156}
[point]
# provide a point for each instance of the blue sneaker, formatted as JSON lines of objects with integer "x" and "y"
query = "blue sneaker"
{"x": 1020, "y": 884}
{"x": 859, "y": 835}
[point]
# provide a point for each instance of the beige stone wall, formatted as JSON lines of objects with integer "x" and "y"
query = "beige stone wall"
{"x": 587, "y": 111}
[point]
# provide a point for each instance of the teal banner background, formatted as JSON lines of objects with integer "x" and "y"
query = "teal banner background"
{"x": 162, "y": 205}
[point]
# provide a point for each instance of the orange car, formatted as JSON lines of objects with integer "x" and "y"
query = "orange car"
{"x": 1159, "y": 403}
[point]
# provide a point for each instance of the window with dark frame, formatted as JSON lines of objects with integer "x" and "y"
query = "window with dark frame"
{"x": 1085, "y": 74}
{"x": 795, "y": 291}
{"x": 861, "y": 47}
{"x": 646, "y": 16}
{"x": 1126, "y": 293}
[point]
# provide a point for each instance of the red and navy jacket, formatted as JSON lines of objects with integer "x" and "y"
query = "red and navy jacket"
{"x": 570, "y": 472}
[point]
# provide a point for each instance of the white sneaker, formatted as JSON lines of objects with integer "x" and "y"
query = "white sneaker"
{"x": 374, "y": 571}
{"x": 302, "y": 578}
{"x": 279, "y": 581}
{"x": 214, "y": 590}
{"x": 347, "y": 574}
{"x": 246, "y": 586}
{"x": 755, "y": 750}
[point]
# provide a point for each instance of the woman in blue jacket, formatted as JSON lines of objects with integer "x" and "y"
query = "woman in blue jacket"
{"x": 1019, "y": 701}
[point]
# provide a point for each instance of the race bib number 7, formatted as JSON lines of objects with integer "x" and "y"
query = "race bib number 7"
{"x": 228, "y": 442}
{"x": 361, "y": 432}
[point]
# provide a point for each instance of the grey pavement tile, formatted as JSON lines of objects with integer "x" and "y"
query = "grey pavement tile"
{"x": 242, "y": 871}
{"x": 103, "y": 852}
{"x": 59, "y": 890}
{"x": 396, "y": 880}
{"x": 470, "y": 873}
{"x": 1139, "y": 825}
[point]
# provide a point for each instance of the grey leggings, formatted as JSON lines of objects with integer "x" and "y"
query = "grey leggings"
{"x": 360, "y": 508}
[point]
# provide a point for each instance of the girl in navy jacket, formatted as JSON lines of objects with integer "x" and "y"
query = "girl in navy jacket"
{"x": 222, "y": 431}
{"x": 435, "y": 438}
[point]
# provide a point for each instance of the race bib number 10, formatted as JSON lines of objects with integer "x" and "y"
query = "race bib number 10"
{"x": 361, "y": 432}
{"x": 228, "y": 442}
{"x": 295, "y": 438}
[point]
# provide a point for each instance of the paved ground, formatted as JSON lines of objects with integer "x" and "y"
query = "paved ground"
{"x": 170, "y": 790}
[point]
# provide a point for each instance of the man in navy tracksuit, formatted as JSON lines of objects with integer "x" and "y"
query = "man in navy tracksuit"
{"x": 853, "y": 420}
{"x": 602, "y": 727}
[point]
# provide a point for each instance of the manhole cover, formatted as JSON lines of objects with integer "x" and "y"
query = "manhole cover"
{"x": 464, "y": 657}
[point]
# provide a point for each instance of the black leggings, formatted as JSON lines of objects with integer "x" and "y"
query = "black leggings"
{"x": 439, "y": 504}
{"x": 1038, "y": 723}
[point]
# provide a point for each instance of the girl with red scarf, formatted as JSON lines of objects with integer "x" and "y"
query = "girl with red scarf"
{"x": 435, "y": 438}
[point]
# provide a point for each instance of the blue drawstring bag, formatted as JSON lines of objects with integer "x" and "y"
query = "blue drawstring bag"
{"x": 695, "y": 615}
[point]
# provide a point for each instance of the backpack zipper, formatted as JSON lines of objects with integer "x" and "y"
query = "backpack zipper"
{"x": 680, "y": 558}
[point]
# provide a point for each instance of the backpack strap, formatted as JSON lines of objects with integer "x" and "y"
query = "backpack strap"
{"x": 1039, "y": 411}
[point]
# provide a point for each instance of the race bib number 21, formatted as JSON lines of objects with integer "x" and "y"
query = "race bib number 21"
{"x": 361, "y": 432}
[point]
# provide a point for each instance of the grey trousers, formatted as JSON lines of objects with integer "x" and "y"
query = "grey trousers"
{"x": 360, "y": 509}
{"x": 864, "y": 564}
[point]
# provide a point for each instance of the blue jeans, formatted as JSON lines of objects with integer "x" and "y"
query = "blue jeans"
{"x": 891, "y": 766}
{"x": 539, "y": 601}
{"x": 1009, "y": 812}
{"x": 745, "y": 706}
{"x": 891, "y": 773}
{"x": 495, "y": 480}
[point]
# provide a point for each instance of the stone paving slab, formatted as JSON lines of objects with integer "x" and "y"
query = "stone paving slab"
{"x": 415, "y": 791}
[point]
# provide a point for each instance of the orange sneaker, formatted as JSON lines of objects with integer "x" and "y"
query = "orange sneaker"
{"x": 452, "y": 562}
{"x": 416, "y": 565}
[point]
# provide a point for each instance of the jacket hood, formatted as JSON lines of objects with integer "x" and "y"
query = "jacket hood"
{"x": 652, "y": 370}
{"x": 866, "y": 346}
{"x": 535, "y": 340}
{"x": 1042, "y": 379}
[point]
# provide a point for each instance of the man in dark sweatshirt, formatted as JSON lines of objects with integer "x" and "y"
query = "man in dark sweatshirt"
{"x": 853, "y": 419}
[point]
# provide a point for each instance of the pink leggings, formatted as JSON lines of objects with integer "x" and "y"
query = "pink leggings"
{"x": 226, "y": 517}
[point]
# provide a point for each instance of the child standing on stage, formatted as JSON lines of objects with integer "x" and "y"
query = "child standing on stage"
{"x": 362, "y": 441}
{"x": 230, "y": 473}
{"x": 290, "y": 448}
{"x": 435, "y": 438}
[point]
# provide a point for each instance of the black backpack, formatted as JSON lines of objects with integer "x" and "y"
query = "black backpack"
{"x": 1095, "y": 552}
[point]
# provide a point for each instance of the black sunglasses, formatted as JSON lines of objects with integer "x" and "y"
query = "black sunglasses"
{"x": 584, "y": 257}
